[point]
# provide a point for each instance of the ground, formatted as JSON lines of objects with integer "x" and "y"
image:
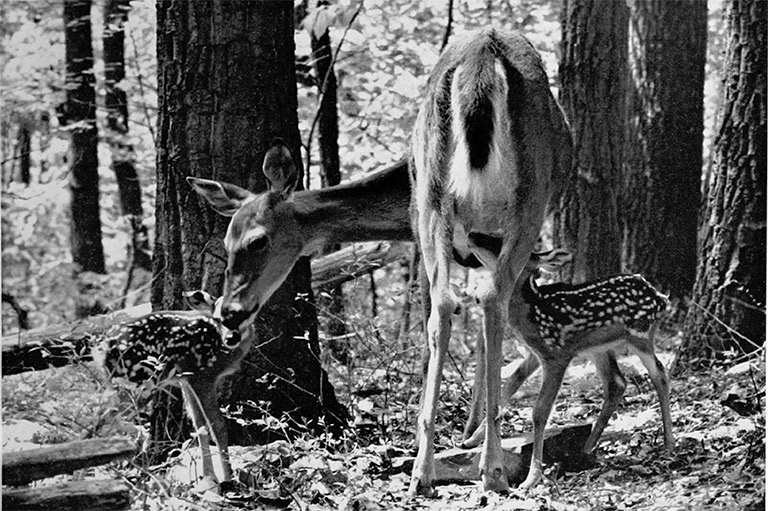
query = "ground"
{"x": 718, "y": 461}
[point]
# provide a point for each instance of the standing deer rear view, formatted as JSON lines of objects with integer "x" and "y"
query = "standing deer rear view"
{"x": 490, "y": 148}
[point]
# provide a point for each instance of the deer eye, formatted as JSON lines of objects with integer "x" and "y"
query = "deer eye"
{"x": 259, "y": 244}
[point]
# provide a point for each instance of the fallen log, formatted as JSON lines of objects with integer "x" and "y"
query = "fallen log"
{"x": 62, "y": 344}
{"x": 562, "y": 446}
{"x": 22, "y": 467}
{"x": 87, "y": 495}
{"x": 68, "y": 343}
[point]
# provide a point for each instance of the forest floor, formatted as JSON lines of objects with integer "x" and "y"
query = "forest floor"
{"x": 718, "y": 462}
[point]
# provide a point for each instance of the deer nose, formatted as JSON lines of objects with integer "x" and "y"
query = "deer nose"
{"x": 233, "y": 315}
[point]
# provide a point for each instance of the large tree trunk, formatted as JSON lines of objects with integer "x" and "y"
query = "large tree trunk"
{"x": 665, "y": 131}
{"x": 593, "y": 84}
{"x": 115, "y": 17}
{"x": 227, "y": 87}
{"x": 79, "y": 113}
{"x": 728, "y": 309}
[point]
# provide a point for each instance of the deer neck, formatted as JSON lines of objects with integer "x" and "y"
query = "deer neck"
{"x": 370, "y": 209}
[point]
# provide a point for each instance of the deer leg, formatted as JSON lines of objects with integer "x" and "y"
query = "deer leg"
{"x": 614, "y": 385}
{"x": 209, "y": 405}
{"x": 201, "y": 430}
{"x": 435, "y": 238}
{"x": 475, "y": 421}
{"x": 643, "y": 348}
{"x": 554, "y": 371}
{"x": 523, "y": 371}
{"x": 492, "y": 457}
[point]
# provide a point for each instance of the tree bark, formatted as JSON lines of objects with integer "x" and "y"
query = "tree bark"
{"x": 79, "y": 114}
{"x": 665, "y": 130}
{"x": 227, "y": 88}
{"x": 593, "y": 85}
{"x": 115, "y": 17}
{"x": 728, "y": 309}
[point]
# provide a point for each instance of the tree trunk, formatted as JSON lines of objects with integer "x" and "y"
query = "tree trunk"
{"x": 79, "y": 113}
{"x": 227, "y": 87}
{"x": 728, "y": 309}
{"x": 24, "y": 149}
{"x": 593, "y": 78}
{"x": 328, "y": 139}
{"x": 665, "y": 130}
{"x": 115, "y": 17}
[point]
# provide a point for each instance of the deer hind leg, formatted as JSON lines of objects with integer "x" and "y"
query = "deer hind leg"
{"x": 642, "y": 346}
{"x": 614, "y": 385}
{"x": 554, "y": 371}
{"x": 523, "y": 371}
{"x": 435, "y": 240}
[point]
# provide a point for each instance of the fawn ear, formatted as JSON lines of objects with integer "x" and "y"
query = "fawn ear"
{"x": 199, "y": 300}
{"x": 280, "y": 168}
{"x": 224, "y": 198}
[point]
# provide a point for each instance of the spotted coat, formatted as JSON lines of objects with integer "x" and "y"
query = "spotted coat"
{"x": 561, "y": 310}
{"x": 161, "y": 344}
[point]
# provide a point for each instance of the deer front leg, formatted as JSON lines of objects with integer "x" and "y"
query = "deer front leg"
{"x": 209, "y": 482}
{"x": 209, "y": 404}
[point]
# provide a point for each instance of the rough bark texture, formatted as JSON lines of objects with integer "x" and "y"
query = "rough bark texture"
{"x": 593, "y": 84}
{"x": 115, "y": 17}
{"x": 226, "y": 89}
{"x": 328, "y": 138}
{"x": 665, "y": 129}
{"x": 79, "y": 114}
{"x": 729, "y": 309}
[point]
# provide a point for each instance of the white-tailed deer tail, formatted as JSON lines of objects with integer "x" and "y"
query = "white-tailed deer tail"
{"x": 490, "y": 148}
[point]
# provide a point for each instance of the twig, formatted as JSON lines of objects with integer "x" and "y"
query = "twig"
{"x": 325, "y": 81}
{"x": 448, "y": 27}
{"x": 141, "y": 88}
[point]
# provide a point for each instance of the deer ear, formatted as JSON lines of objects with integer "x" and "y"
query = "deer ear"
{"x": 280, "y": 169}
{"x": 199, "y": 300}
{"x": 224, "y": 198}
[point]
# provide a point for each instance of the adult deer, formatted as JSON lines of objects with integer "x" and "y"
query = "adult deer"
{"x": 490, "y": 148}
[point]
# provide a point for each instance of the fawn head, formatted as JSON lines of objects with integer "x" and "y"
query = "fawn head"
{"x": 264, "y": 239}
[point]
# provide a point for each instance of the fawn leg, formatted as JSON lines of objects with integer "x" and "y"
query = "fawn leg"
{"x": 209, "y": 404}
{"x": 201, "y": 429}
{"x": 643, "y": 348}
{"x": 614, "y": 385}
{"x": 524, "y": 369}
{"x": 554, "y": 371}
{"x": 475, "y": 421}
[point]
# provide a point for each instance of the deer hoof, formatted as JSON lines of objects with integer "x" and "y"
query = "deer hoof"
{"x": 419, "y": 487}
{"x": 496, "y": 481}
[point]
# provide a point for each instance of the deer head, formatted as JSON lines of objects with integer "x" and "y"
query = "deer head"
{"x": 264, "y": 239}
